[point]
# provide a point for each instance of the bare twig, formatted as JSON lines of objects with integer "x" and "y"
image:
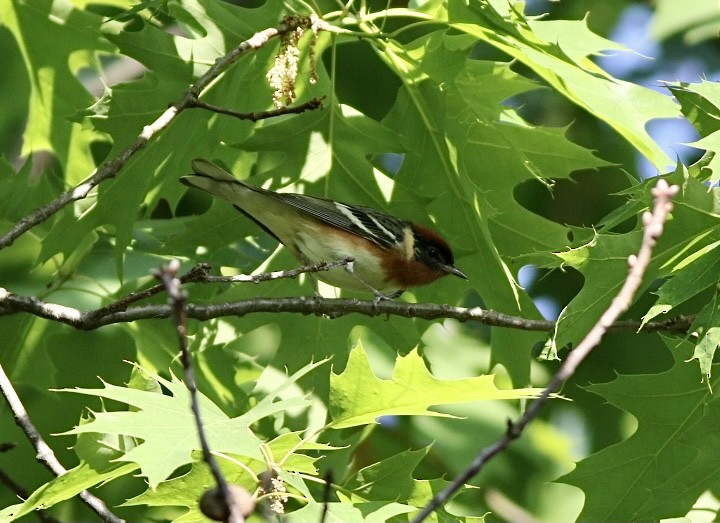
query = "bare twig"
{"x": 201, "y": 274}
{"x": 112, "y": 167}
{"x": 45, "y": 455}
{"x": 653, "y": 227}
{"x": 178, "y": 300}
{"x": 197, "y": 273}
{"x": 276, "y": 275}
{"x": 310, "y": 105}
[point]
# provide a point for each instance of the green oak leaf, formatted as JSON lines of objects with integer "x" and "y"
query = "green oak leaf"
{"x": 695, "y": 273}
{"x": 284, "y": 452}
{"x": 57, "y": 41}
{"x": 690, "y": 231}
{"x": 358, "y": 397}
{"x": 669, "y": 461}
{"x": 707, "y": 328}
{"x": 466, "y": 154}
{"x": 342, "y": 512}
{"x": 559, "y": 52}
{"x": 64, "y": 487}
{"x": 702, "y": 22}
{"x": 392, "y": 480}
{"x": 166, "y": 426}
{"x": 700, "y": 103}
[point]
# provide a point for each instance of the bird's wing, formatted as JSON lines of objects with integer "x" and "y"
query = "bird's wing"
{"x": 376, "y": 226}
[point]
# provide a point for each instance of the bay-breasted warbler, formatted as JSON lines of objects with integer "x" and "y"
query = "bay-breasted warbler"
{"x": 390, "y": 254}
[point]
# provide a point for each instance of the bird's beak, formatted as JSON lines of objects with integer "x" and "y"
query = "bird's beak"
{"x": 451, "y": 269}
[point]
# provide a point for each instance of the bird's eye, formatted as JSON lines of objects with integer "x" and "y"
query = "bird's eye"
{"x": 434, "y": 253}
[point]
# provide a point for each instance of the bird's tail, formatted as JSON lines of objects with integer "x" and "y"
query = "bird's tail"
{"x": 218, "y": 182}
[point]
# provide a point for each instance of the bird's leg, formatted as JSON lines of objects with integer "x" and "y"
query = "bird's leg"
{"x": 379, "y": 296}
{"x": 392, "y": 295}
{"x": 310, "y": 275}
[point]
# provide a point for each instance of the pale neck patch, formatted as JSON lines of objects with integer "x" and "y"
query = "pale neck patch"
{"x": 409, "y": 243}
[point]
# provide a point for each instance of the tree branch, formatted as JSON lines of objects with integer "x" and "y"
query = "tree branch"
{"x": 653, "y": 227}
{"x": 118, "y": 313}
{"x": 112, "y": 167}
{"x": 45, "y": 454}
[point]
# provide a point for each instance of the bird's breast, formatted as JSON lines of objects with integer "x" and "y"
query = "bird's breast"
{"x": 329, "y": 244}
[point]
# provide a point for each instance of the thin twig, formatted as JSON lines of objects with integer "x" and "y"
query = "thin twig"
{"x": 201, "y": 274}
{"x": 310, "y": 105}
{"x": 653, "y": 227}
{"x": 112, "y": 167}
{"x": 45, "y": 454}
{"x": 276, "y": 275}
{"x": 197, "y": 273}
{"x": 178, "y": 301}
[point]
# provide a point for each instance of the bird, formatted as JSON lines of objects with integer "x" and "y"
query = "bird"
{"x": 389, "y": 255}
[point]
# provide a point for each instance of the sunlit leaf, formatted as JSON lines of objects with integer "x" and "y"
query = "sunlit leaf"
{"x": 358, "y": 397}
